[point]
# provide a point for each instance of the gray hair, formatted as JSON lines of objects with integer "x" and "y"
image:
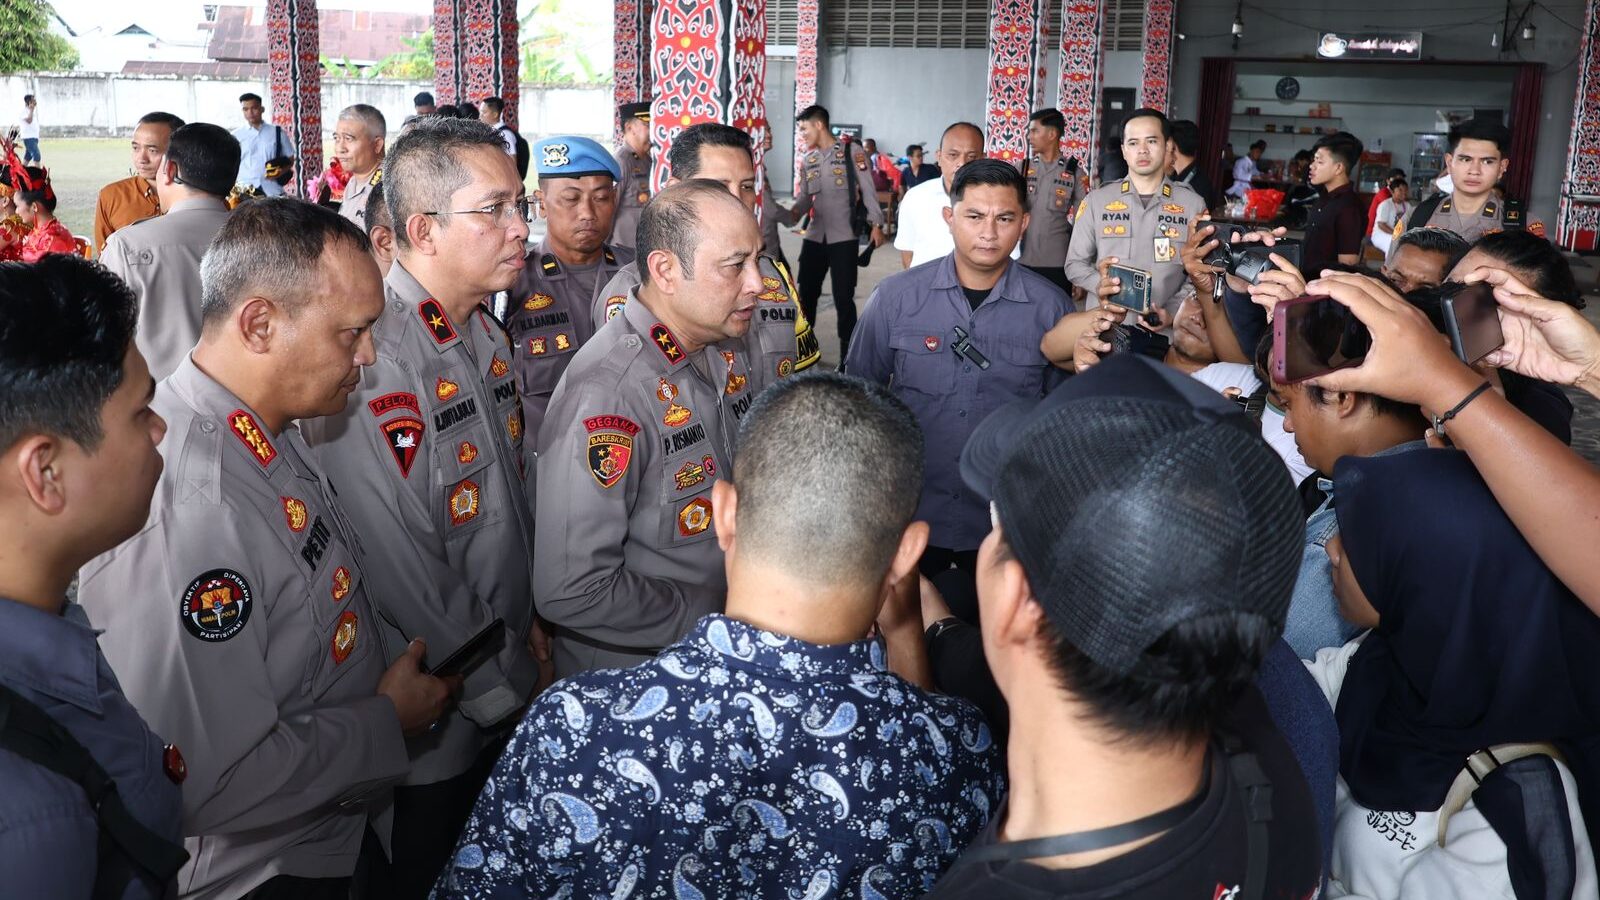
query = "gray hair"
{"x": 369, "y": 116}
{"x": 674, "y": 222}
{"x": 845, "y": 494}
{"x": 423, "y": 168}
{"x": 270, "y": 248}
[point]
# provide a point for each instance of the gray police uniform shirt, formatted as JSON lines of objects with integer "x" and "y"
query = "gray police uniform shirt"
{"x": 780, "y": 338}
{"x": 159, "y": 258}
{"x": 636, "y": 435}
{"x": 48, "y": 830}
{"x": 1491, "y": 218}
{"x": 1146, "y": 234}
{"x": 906, "y": 339}
{"x": 550, "y": 315}
{"x": 773, "y": 214}
{"x": 1053, "y": 195}
{"x": 356, "y": 194}
{"x": 428, "y": 459}
{"x": 829, "y": 196}
{"x": 239, "y": 622}
{"x": 633, "y": 192}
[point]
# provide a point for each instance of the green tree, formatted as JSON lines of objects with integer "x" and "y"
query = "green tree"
{"x": 26, "y": 41}
{"x": 413, "y": 63}
{"x": 550, "y": 55}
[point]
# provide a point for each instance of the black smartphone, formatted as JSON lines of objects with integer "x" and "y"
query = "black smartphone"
{"x": 1133, "y": 339}
{"x": 1471, "y": 319}
{"x": 1315, "y": 335}
{"x": 478, "y": 648}
{"x": 1134, "y": 293}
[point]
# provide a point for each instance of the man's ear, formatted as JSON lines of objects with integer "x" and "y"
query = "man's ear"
{"x": 38, "y": 460}
{"x": 724, "y": 513}
{"x": 949, "y": 214}
{"x": 257, "y": 321}
{"x": 167, "y": 172}
{"x": 419, "y": 233}
{"x": 663, "y": 268}
{"x": 1344, "y": 402}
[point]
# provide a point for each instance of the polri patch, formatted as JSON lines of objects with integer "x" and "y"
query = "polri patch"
{"x": 216, "y": 605}
{"x": 608, "y": 456}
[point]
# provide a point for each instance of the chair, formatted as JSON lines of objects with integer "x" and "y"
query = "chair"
{"x": 84, "y": 248}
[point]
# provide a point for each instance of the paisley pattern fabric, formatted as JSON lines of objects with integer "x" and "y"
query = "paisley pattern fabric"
{"x": 738, "y": 763}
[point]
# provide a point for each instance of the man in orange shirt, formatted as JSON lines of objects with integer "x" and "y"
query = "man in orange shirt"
{"x": 133, "y": 198}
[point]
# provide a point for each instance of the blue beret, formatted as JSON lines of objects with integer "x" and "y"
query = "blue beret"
{"x": 565, "y": 156}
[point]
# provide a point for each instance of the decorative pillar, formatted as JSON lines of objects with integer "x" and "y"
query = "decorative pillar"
{"x": 1160, "y": 19}
{"x": 1580, "y": 191}
{"x": 631, "y": 57}
{"x": 708, "y": 64}
{"x": 1016, "y": 73}
{"x": 295, "y": 76}
{"x": 1079, "y": 98}
{"x": 805, "y": 76}
{"x": 475, "y": 52}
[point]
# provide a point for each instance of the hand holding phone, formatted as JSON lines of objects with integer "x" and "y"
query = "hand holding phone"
{"x": 475, "y": 650}
{"x": 1312, "y": 336}
{"x": 1134, "y": 291}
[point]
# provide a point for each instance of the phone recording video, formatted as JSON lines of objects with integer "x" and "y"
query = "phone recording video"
{"x": 1134, "y": 292}
{"x": 1312, "y": 336}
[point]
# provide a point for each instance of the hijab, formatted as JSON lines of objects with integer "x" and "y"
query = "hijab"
{"x": 1478, "y": 643}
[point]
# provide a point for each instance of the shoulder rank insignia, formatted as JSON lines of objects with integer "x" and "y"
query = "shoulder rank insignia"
{"x": 1083, "y": 206}
{"x": 1166, "y": 190}
{"x": 611, "y": 258}
{"x": 433, "y": 316}
{"x": 1126, "y": 187}
{"x": 549, "y": 264}
{"x": 666, "y": 343}
{"x": 1445, "y": 206}
{"x": 244, "y": 427}
{"x": 377, "y": 177}
{"x": 1490, "y": 209}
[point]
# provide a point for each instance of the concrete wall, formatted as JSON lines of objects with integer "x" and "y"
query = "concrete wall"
{"x": 89, "y": 103}
{"x": 1450, "y": 34}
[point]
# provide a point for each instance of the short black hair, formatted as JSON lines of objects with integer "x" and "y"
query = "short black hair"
{"x": 673, "y": 222}
{"x": 683, "y": 160}
{"x": 1050, "y": 117}
{"x": 207, "y": 157}
{"x": 1397, "y": 180}
{"x": 1536, "y": 262}
{"x": 26, "y": 98}
{"x": 246, "y": 97}
{"x": 913, "y": 148}
{"x": 1491, "y": 130}
{"x": 1344, "y": 147}
{"x": 422, "y": 99}
{"x": 1299, "y": 155}
{"x": 1145, "y": 112}
{"x": 1186, "y": 137}
{"x": 378, "y": 209}
{"x": 865, "y": 455}
{"x": 161, "y": 118}
{"x": 1436, "y": 240}
{"x": 988, "y": 171}
{"x": 813, "y": 113}
{"x": 65, "y": 328}
{"x": 43, "y": 194}
{"x": 467, "y": 110}
{"x": 424, "y": 168}
{"x": 1381, "y": 405}
{"x": 447, "y": 111}
{"x": 270, "y": 248}
{"x": 1262, "y": 145}
{"x": 493, "y": 104}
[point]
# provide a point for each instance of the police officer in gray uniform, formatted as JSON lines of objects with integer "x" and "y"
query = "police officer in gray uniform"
{"x": 159, "y": 257}
{"x": 1054, "y": 192}
{"x": 550, "y": 314}
{"x": 633, "y": 167}
{"x": 1477, "y": 160}
{"x": 77, "y": 412}
{"x": 1141, "y": 222}
{"x": 640, "y": 427}
{"x": 239, "y": 619}
{"x": 428, "y": 459}
{"x": 358, "y": 139}
{"x": 780, "y": 337}
{"x": 836, "y": 177}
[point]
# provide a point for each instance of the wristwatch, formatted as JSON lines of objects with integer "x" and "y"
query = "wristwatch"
{"x": 940, "y": 627}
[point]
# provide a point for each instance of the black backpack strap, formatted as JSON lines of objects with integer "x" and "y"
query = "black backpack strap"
{"x": 32, "y": 734}
{"x": 1424, "y": 211}
{"x": 1254, "y": 788}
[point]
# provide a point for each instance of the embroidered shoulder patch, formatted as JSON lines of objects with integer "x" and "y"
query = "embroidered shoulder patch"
{"x": 404, "y": 436}
{"x": 666, "y": 343}
{"x": 216, "y": 605}
{"x": 388, "y": 403}
{"x": 246, "y": 430}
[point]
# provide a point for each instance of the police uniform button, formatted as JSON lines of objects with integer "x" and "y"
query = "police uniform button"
{"x": 208, "y": 426}
{"x": 397, "y": 306}
{"x": 631, "y": 341}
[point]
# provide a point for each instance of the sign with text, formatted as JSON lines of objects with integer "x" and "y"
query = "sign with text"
{"x": 1368, "y": 45}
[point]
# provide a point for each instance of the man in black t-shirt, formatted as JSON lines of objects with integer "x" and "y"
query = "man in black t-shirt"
{"x": 1337, "y": 221}
{"x": 1148, "y": 765}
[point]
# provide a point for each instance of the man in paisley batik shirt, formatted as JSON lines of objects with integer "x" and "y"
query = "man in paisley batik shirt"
{"x": 771, "y": 752}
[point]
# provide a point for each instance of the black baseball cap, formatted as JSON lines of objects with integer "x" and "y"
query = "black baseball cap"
{"x": 1137, "y": 498}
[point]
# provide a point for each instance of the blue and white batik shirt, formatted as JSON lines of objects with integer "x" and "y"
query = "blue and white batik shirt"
{"x": 738, "y": 763}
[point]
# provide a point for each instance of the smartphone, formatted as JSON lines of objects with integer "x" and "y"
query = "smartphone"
{"x": 1134, "y": 294}
{"x": 478, "y": 648}
{"x": 1471, "y": 319}
{"x": 1315, "y": 335}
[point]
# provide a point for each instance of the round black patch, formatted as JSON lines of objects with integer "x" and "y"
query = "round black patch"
{"x": 216, "y": 605}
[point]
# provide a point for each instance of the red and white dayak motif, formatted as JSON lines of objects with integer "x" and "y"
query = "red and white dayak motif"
{"x": 707, "y": 64}
{"x": 295, "y": 80}
{"x": 1079, "y": 98}
{"x": 1160, "y": 19}
{"x": 1016, "y": 73}
{"x": 805, "y": 75}
{"x": 475, "y": 52}
{"x": 630, "y": 56}
{"x": 1580, "y": 220}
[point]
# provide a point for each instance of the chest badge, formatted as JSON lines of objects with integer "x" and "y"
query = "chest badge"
{"x": 676, "y": 415}
{"x": 537, "y": 302}
{"x": 538, "y": 346}
{"x": 1116, "y": 206}
{"x": 344, "y": 637}
{"x": 466, "y": 453}
{"x": 341, "y": 583}
{"x": 932, "y": 343}
{"x": 691, "y": 474}
{"x": 498, "y": 367}
{"x": 563, "y": 343}
{"x": 736, "y": 383}
{"x": 172, "y": 763}
{"x": 444, "y": 390}
{"x": 695, "y": 517}
{"x": 464, "y": 499}
{"x": 514, "y": 426}
{"x": 294, "y": 512}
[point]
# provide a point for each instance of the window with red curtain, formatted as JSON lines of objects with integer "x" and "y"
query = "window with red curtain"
{"x": 1525, "y": 96}
{"x": 1216, "y": 115}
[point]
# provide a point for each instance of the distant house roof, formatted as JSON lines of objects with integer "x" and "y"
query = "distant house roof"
{"x": 212, "y": 69}
{"x": 239, "y": 34}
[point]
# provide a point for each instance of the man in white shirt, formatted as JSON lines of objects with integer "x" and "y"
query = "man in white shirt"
{"x": 490, "y": 112}
{"x": 923, "y": 235}
{"x": 1245, "y": 170}
{"x": 29, "y": 131}
{"x": 258, "y": 143}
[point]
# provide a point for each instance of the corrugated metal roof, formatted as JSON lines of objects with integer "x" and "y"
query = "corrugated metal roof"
{"x": 240, "y": 34}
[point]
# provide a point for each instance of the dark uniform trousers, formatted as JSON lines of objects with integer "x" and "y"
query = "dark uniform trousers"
{"x": 817, "y": 260}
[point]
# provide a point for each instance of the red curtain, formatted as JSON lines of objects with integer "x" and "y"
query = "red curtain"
{"x": 1525, "y": 95}
{"x": 1216, "y": 114}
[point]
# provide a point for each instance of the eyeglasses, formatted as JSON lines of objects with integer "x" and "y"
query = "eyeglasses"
{"x": 501, "y": 212}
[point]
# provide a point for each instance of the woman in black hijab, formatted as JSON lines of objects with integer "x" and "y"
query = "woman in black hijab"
{"x": 1476, "y": 645}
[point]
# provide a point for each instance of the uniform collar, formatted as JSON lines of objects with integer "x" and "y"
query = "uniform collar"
{"x": 49, "y": 654}
{"x": 1009, "y": 287}
{"x": 243, "y": 429}
{"x": 545, "y": 265}
{"x": 205, "y": 202}
{"x": 1165, "y": 190}
{"x": 420, "y": 308}
{"x": 740, "y": 644}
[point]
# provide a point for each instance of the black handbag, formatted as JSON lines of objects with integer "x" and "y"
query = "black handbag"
{"x": 280, "y": 168}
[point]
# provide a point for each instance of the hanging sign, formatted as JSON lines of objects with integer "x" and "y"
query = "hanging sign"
{"x": 1370, "y": 45}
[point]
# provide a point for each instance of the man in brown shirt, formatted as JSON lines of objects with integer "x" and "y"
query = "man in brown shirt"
{"x": 133, "y": 198}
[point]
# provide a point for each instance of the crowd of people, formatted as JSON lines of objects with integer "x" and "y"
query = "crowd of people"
{"x": 371, "y": 548}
